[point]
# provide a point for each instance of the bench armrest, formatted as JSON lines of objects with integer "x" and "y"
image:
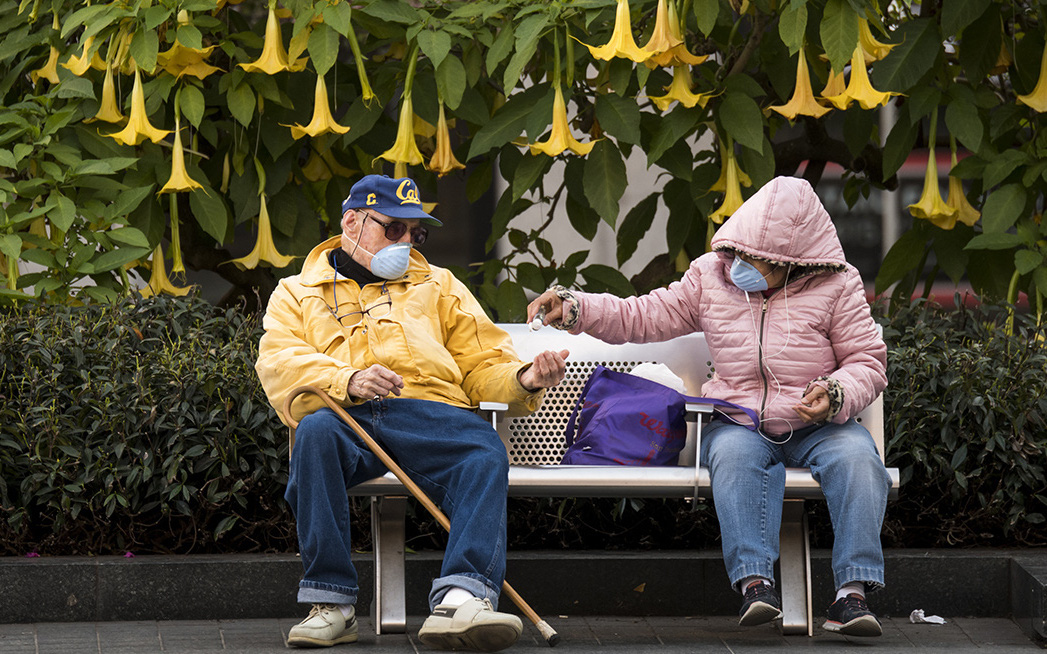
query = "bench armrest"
{"x": 693, "y": 414}
{"x": 494, "y": 408}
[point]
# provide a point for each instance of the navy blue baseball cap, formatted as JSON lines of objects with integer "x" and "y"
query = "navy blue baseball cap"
{"x": 396, "y": 198}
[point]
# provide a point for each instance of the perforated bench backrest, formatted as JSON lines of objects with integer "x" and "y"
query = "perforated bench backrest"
{"x": 538, "y": 439}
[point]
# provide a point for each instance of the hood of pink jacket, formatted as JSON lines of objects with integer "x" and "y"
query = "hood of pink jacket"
{"x": 782, "y": 223}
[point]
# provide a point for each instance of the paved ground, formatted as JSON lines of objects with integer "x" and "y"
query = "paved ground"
{"x": 578, "y": 635}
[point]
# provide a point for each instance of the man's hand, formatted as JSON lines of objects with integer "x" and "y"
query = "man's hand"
{"x": 376, "y": 381}
{"x": 814, "y": 408}
{"x": 553, "y": 308}
{"x": 546, "y": 371}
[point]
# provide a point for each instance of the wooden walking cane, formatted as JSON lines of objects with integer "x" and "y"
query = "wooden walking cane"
{"x": 548, "y": 633}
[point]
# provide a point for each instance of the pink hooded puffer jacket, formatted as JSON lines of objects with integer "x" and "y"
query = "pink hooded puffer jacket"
{"x": 766, "y": 350}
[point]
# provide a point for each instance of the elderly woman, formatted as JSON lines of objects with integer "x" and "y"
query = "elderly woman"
{"x": 792, "y": 337}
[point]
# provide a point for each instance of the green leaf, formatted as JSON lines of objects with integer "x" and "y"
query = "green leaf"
{"x": 435, "y": 45}
{"x": 129, "y": 200}
{"x": 129, "y": 236}
{"x": 995, "y": 241}
{"x": 527, "y": 34}
{"x": 981, "y": 44}
{"x": 706, "y": 11}
{"x": 741, "y": 117}
{"x": 1025, "y": 261}
{"x": 635, "y": 226}
{"x": 76, "y": 87}
{"x": 793, "y": 25}
{"x": 839, "y": 32}
{"x": 191, "y": 103}
{"x": 529, "y": 171}
{"x": 604, "y": 279}
{"x": 7, "y": 160}
{"x": 903, "y": 257}
{"x": 502, "y": 46}
{"x": 909, "y": 61}
{"x": 451, "y": 81}
{"x": 530, "y": 276}
{"x": 144, "y": 46}
{"x": 671, "y": 128}
{"x": 339, "y": 16}
{"x": 958, "y": 14}
{"x": 10, "y": 246}
{"x": 1002, "y": 165}
{"x": 323, "y": 48}
{"x": 393, "y": 11}
{"x": 963, "y": 121}
{"x": 190, "y": 36}
{"x": 116, "y": 258}
{"x": 1002, "y": 208}
{"x": 619, "y": 117}
{"x": 603, "y": 180}
{"x": 64, "y": 212}
{"x": 511, "y": 302}
{"x": 210, "y": 212}
{"x": 899, "y": 143}
{"x": 507, "y": 123}
{"x": 241, "y": 101}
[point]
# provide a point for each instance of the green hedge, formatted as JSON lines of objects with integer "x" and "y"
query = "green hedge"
{"x": 141, "y": 427}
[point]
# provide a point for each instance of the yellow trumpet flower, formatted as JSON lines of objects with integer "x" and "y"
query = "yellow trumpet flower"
{"x": 680, "y": 91}
{"x": 965, "y": 212}
{"x": 264, "y": 248}
{"x": 802, "y": 103}
{"x": 873, "y": 49}
{"x": 274, "y": 57}
{"x": 158, "y": 280}
{"x": 1037, "y": 100}
{"x": 180, "y": 180}
{"x": 49, "y": 70}
{"x": 931, "y": 206}
{"x": 622, "y": 43}
{"x": 720, "y": 185}
{"x": 138, "y": 127}
{"x": 179, "y": 61}
{"x": 405, "y": 149}
{"x": 86, "y": 60}
{"x": 859, "y": 88}
{"x": 322, "y": 122}
{"x": 109, "y": 110}
{"x": 560, "y": 138}
{"x": 666, "y": 44}
{"x": 443, "y": 160}
{"x": 732, "y": 197}
{"x": 836, "y": 85}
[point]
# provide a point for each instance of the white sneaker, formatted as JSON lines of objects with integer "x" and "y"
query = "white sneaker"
{"x": 473, "y": 626}
{"x": 325, "y": 626}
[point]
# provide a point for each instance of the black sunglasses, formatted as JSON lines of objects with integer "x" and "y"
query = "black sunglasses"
{"x": 395, "y": 230}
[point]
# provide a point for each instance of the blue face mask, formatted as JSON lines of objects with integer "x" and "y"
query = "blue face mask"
{"x": 746, "y": 277}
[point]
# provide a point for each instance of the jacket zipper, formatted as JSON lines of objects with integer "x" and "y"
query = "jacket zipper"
{"x": 759, "y": 361}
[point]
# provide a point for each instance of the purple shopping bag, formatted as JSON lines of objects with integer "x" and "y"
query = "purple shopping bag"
{"x": 623, "y": 419}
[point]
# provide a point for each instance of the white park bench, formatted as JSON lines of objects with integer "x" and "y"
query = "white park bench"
{"x": 535, "y": 445}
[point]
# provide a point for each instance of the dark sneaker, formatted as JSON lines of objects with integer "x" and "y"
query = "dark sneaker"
{"x": 761, "y": 605}
{"x": 851, "y": 616}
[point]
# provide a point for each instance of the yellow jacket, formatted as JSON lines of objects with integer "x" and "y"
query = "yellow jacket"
{"x": 434, "y": 334}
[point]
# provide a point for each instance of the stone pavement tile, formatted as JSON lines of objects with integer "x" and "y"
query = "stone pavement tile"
{"x": 252, "y": 634}
{"x": 994, "y": 633}
{"x": 128, "y": 637}
{"x": 17, "y": 638}
{"x": 613, "y": 630}
{"x": 67, "y": 638}
{"x": 190, "y": 635}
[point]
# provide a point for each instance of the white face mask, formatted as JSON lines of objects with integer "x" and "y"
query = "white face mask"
{"x": 391, "y": 261}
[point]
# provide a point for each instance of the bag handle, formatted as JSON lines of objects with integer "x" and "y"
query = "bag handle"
{"x": 570, "y": 429}
{"x": 724, "y": 403}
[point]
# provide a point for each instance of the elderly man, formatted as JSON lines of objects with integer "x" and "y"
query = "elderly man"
{"x": 409, "y": 352}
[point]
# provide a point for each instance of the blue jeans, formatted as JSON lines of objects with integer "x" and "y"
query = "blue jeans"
{"x": 452, "y": 454}
{"x": 748, "y": 483}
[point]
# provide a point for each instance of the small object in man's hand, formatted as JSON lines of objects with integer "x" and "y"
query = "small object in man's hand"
{"x": 536, "y": 324}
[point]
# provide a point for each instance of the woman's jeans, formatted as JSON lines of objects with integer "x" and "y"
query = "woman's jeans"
{"x": 748, "y": 483}
{"x": 451, "y": 453}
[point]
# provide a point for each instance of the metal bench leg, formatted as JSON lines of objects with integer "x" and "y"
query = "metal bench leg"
{"x": 795, "y": 563}
{"x": 387, "y": 528}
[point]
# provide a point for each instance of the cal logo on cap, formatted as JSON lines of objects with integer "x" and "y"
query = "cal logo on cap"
{"x": 410, "y": 196}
